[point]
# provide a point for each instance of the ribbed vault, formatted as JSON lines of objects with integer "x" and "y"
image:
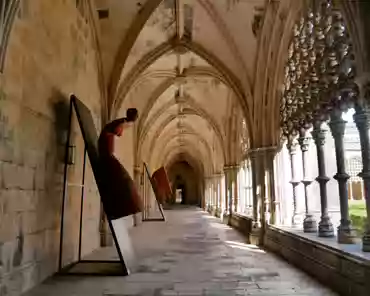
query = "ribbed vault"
{"x": 188, "y": 66}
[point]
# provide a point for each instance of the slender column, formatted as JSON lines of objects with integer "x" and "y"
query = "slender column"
{"x": 292, "y": 147}
{"x": 362, "y": 120}
{"x": 215, "y": 182}
{"x": 256, "y": 202}
{"x": 346, "y": 234}
{"x": 325, "y": 226}
{"x": 219, "y": 195}
{"x": 236, "y": 187}
{"x": 230, "y": 189}
{"x": 226, "y": 212}
{"x": 214, "y": 194}
{"x": 250, "y": 188}
{"x": 209, "y": 194}
{"x": 269, "y": 194}
{"x": 309, "y": 222}
{"x": 271, "y": 168}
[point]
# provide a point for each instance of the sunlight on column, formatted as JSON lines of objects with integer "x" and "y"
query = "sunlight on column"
{"x": 348, "y": 116}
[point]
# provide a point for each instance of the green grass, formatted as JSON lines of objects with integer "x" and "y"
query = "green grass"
{"x": 357, "y": 208}
{"x": 357, "y": 211}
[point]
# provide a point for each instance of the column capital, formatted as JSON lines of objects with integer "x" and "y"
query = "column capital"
{"x": 362, "y": 119}
{"x": 293, "y": 146}
{"x": 337, "y": 125}
{"x": 261, "y": 151}
{"x": 319, "y": 135}
{"x": 304, "y": 141}
{"x": 363, "y": 87}
{"x": 230, "y": 167}
{"x": 218, "y": 175}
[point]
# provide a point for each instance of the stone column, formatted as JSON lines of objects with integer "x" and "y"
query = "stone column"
{"x": 267, "y": 190}
{"x": 270, "y": 198}
{"x": 362, "y": 120}
{"x": 292, "y": 147}
{"x": 215, "y": 184}
{"x": 236, "y": 187}
{"x": 256, "y": 213}
{"x": 208, "y": 194}
{"x": 214, "y": 196}
{"x": 222, "y": 193}
{"x": 260, "y": 165}
{"x": 309, "y": 222}
{"x": 325, "y": 226}
{"x": 218, "y": 195}
{"x": 226, "y": 172}
{"x": 346, "y": 234}
{"x": 230, "y": 190}
{"x": 250, "y": 189}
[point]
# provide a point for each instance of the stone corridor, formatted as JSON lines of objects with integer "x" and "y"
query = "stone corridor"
{"x": 192, "y": 253}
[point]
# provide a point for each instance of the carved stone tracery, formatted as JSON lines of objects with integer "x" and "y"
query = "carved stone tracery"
{"x": 319, "y": 73}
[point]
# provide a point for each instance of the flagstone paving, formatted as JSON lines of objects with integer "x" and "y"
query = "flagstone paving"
{"x": 192, "y": 253}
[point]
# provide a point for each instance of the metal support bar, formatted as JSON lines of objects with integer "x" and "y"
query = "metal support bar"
{"x": 82, "y": 205}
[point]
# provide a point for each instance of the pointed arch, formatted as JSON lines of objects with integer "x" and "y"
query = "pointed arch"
{"x": 147, "y": 60}
{"x": 225, "y": 33}
{"x": 194, "y": 152}
{"x": 231, "y": 80}
{"x": 187, "y": 139}
{"x": 274, "y": 92}
{"x": 198, "y": 112}
{"x": 189, "y": 132}
{"x": 351, "y": 11}
{"x": 196, "y": 164}
{"x": 143, "y": 129}
{"x": 127, "y": 43}
{"x": 195, "y": 71}
{"x": 161, "y": 88}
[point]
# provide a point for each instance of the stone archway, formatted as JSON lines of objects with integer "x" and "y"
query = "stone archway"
{"x": 184, "y": 177}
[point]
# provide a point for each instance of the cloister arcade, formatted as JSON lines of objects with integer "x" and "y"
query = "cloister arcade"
{"x": 259, "y": 110}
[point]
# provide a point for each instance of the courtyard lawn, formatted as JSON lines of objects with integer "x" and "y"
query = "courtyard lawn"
{"x": 357, "y": 211}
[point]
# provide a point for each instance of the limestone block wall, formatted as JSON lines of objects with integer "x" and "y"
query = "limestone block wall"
{"x": 49, "y": 56}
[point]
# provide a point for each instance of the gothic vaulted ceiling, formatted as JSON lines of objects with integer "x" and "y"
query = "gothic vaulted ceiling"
{"x": 190, "y": 67}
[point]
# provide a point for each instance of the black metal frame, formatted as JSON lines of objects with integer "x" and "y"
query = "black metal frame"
{"x": 146, "y": 219}
{"x": 66, "y": 270}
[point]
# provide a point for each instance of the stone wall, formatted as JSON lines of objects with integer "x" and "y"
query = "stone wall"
{"x": 343, "y": 272}
{"x": 49, "y": 56}
{"x": 242, "y": 224}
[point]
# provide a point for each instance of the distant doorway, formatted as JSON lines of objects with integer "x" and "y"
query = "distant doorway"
{"x": 182, "y": 190}
{"x": 178, "y": 196}
{"x": 185, "y": 182}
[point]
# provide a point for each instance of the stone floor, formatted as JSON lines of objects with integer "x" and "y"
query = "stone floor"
{"x": 192, "y": 253}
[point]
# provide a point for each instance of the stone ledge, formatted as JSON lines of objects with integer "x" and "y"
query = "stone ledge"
{"x": 337, "y": 269}
{"x": 243, "y": 224}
